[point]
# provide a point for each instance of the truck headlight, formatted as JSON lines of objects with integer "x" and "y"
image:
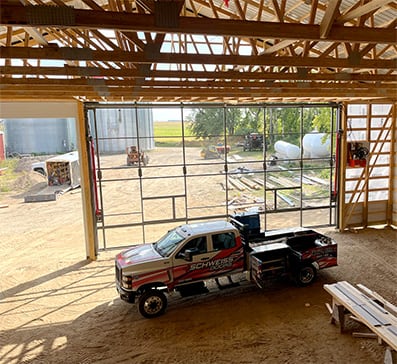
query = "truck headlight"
{"x": 126, "y": 282}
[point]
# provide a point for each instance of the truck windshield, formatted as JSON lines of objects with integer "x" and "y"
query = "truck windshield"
{"x": 168, "y": 243}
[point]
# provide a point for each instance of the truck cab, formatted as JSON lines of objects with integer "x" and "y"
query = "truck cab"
{"x": 181, "y": 259}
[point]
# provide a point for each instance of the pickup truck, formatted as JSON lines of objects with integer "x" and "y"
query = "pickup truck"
{"x": 39, "y": 167}
{"x": 188, "y": 255}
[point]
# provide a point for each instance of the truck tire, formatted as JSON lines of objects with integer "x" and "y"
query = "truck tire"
{"x": 152, "y": 303}
{"x": 40, "y": 170}
{"x": 306, "y": 275}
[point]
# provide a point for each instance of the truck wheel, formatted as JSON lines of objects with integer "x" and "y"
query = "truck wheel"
{"x": 152, "y": 303}
{"x": 306, "y": 275}
{"x": 40, "y": 170}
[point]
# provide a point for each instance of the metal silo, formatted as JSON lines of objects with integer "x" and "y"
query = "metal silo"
{"x": 40, "y": 136}
{"x": 118, "y": 128}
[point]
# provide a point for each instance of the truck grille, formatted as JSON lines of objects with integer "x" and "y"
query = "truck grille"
{"x": 118, "y": 273}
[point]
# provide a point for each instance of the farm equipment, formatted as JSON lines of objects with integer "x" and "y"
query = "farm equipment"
{"x": 135, "y": 157}
{"x": 253, "y": 141}
{"x": 214, "y": 151}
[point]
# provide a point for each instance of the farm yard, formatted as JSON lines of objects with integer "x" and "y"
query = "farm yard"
{"x": 206, "y": 191}
{"x": 246, "y": 168}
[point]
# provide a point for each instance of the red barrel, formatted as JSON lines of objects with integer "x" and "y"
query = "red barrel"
{"x": 2, "y": 147}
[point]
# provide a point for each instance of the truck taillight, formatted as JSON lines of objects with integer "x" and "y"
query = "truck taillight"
{"x": 126, "y": 282}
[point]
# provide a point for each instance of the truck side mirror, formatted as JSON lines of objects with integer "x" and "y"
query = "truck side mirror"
{"x": 189, "y": 253}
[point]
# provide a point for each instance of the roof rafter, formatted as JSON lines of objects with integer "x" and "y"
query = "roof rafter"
{"x": 198, "y": 50}
{"x": 133, "y": 92}
{"x": 17, "y": 16}
{"x": 362, "y": 10}
{"x": 73, "y": 71}
{"x": 329, "y": 17}
{"x": 80, "y": 54}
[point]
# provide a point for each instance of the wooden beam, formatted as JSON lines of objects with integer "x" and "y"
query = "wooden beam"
{"x": 36, "y": 36}
{"x": 329, "y": 17}
{"x": 362, "y": 10}
{"x": 33, "y": 32}
{"x": 198, "y": 98}
{"x": 208, "y": 84}
{"x": 88, "y": 204}
{"x": 80, "y": 54}
{"x": 85, "y": 72}
{"x": 48, "y": 91}
{"x": 278, "y": 46}
{"x": 17, "y": 15}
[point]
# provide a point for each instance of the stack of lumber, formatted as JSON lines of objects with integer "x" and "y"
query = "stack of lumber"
{"x": 251, "y": 184}
{"x": 261, "y": 182}
{"x": 237, "y": 184}
{"x": 282, "y": 181}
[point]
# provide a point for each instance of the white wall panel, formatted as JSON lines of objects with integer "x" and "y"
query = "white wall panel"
{"x": 37, "y": 109}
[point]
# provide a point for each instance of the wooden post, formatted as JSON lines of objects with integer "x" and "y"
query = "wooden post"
{"x": 392, "y": 204}
{"x": 86, "y": 186}
{"x": 342, "y": 170}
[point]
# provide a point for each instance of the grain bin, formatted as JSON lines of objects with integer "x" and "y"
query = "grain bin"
{"x": 40, "y": 136}
{"x": 119, "y": 128}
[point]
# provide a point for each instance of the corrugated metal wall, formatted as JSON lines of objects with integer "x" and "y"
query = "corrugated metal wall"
{"x": 119, "y": 128}
{"x": 40, "y": 136}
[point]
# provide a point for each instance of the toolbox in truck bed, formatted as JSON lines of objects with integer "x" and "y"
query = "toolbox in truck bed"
{"x": 292, "y": 254}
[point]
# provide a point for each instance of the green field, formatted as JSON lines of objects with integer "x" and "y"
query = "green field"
{"x": 8, "y": 174}
{"x": 169, "y": 134}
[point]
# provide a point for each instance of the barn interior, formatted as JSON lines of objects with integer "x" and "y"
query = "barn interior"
{"x": 108, "y": 66}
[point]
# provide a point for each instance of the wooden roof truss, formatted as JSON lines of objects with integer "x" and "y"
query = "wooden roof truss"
{"x": 198, "y": 50}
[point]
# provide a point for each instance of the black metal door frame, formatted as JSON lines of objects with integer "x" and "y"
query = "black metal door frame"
{"x": 103, "y": 226}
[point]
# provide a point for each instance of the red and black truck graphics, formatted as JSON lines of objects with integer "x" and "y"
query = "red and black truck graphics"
{"x": 184, "y": 258}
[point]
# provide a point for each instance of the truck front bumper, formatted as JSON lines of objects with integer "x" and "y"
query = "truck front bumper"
{"x": 125, "y": 295}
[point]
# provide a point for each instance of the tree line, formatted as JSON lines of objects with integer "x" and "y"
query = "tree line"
{"x": 275, "y": 123}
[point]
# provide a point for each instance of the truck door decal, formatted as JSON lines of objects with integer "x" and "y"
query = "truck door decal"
{"x": 214, "y": 264}
{"x": 227, "y": 257}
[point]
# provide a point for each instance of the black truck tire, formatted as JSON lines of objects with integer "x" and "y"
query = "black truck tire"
{"x": 306, "y": 275}
{"x": 152, "y": 303}
{"x": 40, "y": 170}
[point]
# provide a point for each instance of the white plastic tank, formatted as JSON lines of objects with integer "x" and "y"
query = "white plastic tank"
{"x": 316, "y": 145}
{"x": 287, "y": 150}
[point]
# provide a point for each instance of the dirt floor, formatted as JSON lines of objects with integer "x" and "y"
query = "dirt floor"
{"x": 57, "y": 307}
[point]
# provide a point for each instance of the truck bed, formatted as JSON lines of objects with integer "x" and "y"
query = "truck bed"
{"x": 285, "y": 254}
{"x": 300, "y": 243}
